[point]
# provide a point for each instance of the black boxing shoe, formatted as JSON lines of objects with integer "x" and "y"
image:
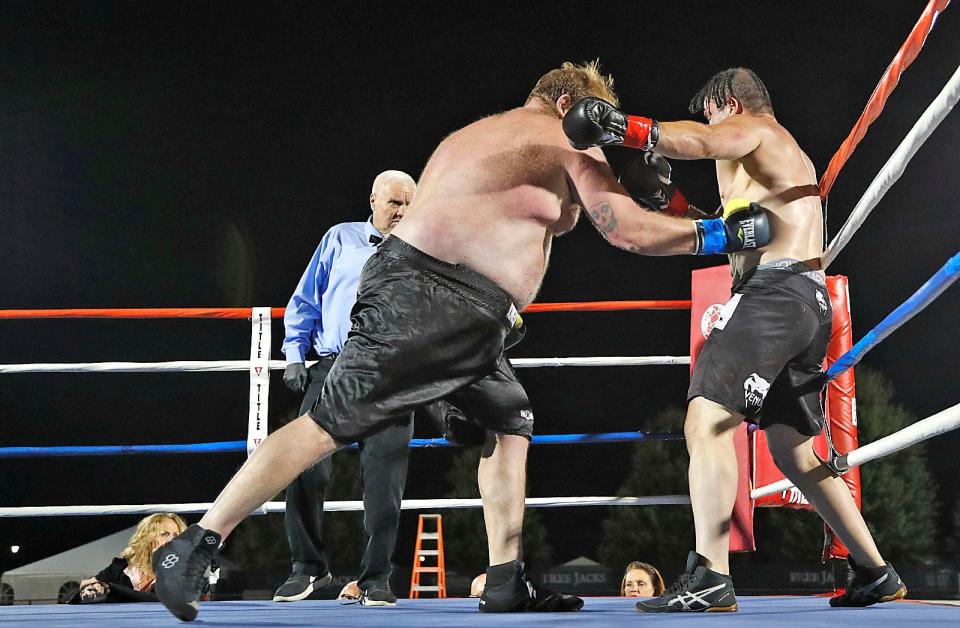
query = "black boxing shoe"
{"x": 698, "y": 590}
{"x": 182, "y": 567}
{"x": 300, "y": 586}
{"x": 518, "y": 594}
{"x": 870, "y": 585}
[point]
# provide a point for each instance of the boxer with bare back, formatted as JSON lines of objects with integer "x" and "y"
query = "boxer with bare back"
{"x": 762, "y": 362}
{"x": 434, "y": 306}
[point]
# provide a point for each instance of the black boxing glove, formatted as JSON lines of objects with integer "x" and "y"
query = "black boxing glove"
{"x": 644, "y": 182}
{"x": 592, "y": 121}
{"x": 744, "y": 226}
{"x": 647, "y": 180}
{"x": 295, "y": 377}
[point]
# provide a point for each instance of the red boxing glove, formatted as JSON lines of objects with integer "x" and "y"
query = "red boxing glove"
{"x": 678, "y": 205}
{"x": 642, "y": 133}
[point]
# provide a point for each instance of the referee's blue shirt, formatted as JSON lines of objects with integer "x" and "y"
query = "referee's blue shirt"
{"x": 318, "y": 314}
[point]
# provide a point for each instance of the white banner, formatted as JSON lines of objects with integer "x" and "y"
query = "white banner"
{"x": 259, "y": 377}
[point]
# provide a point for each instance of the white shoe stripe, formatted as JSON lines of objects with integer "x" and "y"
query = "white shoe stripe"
{"x": 862, "y": 591}
{"x": 696, "y": 596}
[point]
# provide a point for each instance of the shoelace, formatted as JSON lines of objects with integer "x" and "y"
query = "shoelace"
{"x": 196, "y": 571}
{"x": 682, "y": 584}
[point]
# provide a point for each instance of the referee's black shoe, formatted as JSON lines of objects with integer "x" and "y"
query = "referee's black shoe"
{"x": 378, "y": 595}
{"x": 698, "y": 590}
{"x": 182, "y": 568}
{"x": 301, "y": 586}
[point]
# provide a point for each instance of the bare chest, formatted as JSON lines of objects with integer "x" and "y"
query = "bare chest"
{"x": 733, "y": 181}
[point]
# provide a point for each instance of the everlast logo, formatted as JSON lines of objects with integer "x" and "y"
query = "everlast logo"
{"x": 747, "y": 235}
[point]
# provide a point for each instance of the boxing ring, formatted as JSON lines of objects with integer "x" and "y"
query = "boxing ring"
{"x": 759, "y": 611}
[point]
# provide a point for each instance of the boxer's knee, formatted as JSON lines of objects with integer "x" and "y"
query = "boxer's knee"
{"x": 506, "y": 449}
{"x": 707, "y": 420}
{"x": 792, "y": 452}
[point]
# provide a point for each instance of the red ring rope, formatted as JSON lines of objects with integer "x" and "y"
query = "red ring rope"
{"x": 905, "y": 56}
{"x": 277, "y": 312}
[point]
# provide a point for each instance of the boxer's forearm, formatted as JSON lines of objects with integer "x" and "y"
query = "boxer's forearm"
{"x": 626, "y": 226}
{"x": 619, "y": 219}
{"x": 686, "y": 139}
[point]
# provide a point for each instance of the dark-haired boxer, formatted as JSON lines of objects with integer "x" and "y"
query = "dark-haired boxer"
{"x": 434, "y": 307}
{"x": 763, "y": 359}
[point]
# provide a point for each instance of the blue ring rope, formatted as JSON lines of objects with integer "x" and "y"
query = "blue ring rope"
{"x": 234, "y": 446}
{"x": 121, "y": 450}
{"x": 923, "y": 297}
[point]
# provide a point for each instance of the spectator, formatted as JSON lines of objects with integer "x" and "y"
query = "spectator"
{"x": 129, "y": 577}
{"x": 478, "y": 584}
{"x": 641, "y": 580}
{"x": 350, "y": 592}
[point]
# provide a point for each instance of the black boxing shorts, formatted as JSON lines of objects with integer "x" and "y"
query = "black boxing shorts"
{"x": 764, "y": 357}
{"x": 497, "y": 402}
{"x": 422, "y": 329}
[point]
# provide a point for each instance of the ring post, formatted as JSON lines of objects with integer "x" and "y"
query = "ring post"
{"x": 259, "y": 377}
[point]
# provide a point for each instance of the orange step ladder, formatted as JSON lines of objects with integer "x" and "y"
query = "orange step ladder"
{"x": 420, "y": 557}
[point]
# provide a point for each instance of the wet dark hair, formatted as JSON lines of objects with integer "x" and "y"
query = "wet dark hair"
{"x": 740, "y": 83}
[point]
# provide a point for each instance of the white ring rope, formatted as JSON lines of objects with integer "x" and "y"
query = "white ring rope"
{"x": 920, "y": 431}
{"x": 940, "y": 423}
{"x": 895, "y": 166}
{"x": 340, "y": 506}
{"x": 653, "y": 360}
{"x": 205, "y": 366}
{"x": 937, "y": 424}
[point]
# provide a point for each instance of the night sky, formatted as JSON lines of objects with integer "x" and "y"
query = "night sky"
{"x": 193, "y": 154}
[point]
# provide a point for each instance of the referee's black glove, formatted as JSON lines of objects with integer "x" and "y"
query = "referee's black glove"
{"x": 295, "y": 377}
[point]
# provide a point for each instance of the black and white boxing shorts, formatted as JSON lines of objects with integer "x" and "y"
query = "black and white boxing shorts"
{"x": 423, "y": 329}
{"x": 765, "y": 353}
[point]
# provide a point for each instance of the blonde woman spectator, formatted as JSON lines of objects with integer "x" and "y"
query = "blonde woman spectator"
{"x": 478, "y": 585}
{"x": 350, "y": 592}
{"x": 129, "y": 577}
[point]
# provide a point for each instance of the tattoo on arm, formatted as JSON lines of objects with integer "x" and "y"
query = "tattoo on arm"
{"x": 604, "y": 219}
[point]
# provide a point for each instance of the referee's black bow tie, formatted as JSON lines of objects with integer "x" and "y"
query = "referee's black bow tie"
{"x": 375, "y": 239}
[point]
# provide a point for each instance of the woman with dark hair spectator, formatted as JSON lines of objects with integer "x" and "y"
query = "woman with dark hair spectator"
{"x": 641, "y": 580}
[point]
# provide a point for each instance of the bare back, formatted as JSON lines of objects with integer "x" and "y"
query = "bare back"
{"x": 779, "y": 176}
{"x": 492, "y": 197}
